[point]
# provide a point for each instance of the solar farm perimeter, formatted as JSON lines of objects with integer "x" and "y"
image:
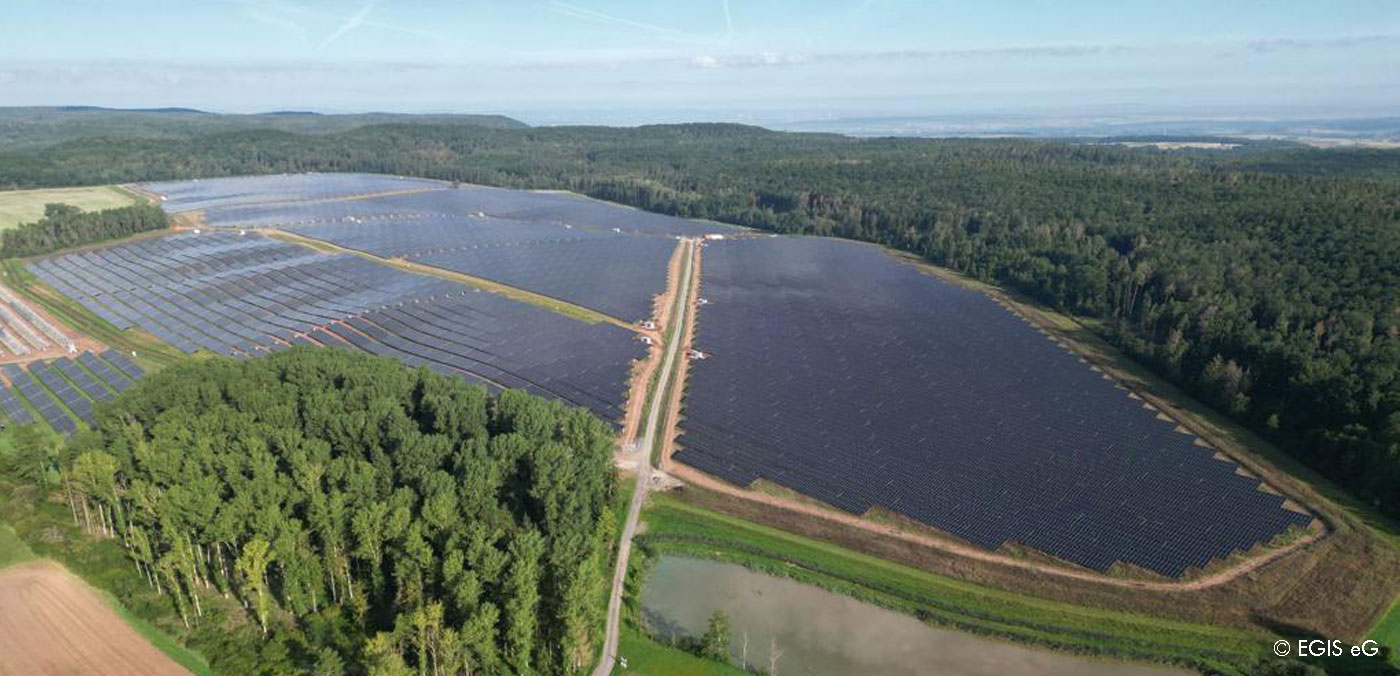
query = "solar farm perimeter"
{"x": 830, "y": 368}
{"x": 833, "y": 369}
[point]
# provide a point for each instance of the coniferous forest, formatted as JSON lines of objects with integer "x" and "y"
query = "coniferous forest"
{"x": 1264, "y": 280}
{"x": 450, "y": 532}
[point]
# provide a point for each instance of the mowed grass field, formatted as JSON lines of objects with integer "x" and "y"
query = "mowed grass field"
{"x": 27, "y": 206}
{"x": 1387, "y": 631}
{"x": 646, "y": 657}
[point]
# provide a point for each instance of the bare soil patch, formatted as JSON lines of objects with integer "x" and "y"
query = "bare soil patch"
{"x": 51, "y": 623}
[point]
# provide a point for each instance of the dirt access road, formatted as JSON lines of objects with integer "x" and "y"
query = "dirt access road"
{"x": 643, "y": 451}
{"x": 53, "y": 624}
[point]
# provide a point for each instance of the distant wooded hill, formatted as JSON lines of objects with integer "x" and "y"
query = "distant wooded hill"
{"x": 37, "y": 127}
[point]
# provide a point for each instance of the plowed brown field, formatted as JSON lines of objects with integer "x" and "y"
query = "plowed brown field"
{"x": 51, "y": 623}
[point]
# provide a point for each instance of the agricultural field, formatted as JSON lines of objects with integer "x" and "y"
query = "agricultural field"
{"x": 937, "y": 404}
{"x": 56, "y": 624}
{"x": 249, "y": 295}
{"x": 27, "y": 206}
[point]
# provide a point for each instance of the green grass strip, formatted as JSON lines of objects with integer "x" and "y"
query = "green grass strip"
{"x": 12, "y": 549}
{"x": 646, "y": 657}
{"x": 189, "y": 659}
{"x": 1387, "y": 630}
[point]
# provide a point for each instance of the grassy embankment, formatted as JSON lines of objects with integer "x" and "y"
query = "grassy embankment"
{"x": 646, "y": 657}
{"x": 674, "y": 527}
{"x": 27, "y": 206}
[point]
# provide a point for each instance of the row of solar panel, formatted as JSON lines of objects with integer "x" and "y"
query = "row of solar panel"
{"x": 61, "y": 389}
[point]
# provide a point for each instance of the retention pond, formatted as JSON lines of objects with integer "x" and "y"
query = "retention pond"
{"x": 820, "y": 633}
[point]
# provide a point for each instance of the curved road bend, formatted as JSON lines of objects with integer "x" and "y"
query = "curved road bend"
{"x": 634, "y": 510}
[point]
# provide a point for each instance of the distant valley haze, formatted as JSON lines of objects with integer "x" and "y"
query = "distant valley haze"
{"x": 857, "y": 66}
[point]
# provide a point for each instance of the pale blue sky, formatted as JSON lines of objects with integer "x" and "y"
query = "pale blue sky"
{"x": 628, "y": 62}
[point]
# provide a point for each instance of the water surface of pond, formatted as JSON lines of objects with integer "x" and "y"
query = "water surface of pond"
{"x": 819, "y": 633}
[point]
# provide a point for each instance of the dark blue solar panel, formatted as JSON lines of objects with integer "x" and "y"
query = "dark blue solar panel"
{"x": 38, "y": 397}
{"x": 15, "y": 411}
{"x": 837, "y": 371}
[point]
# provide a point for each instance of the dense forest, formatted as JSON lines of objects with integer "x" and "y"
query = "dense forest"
{"x": 35, "y": 127}
{"x": 1264, "y": 280}
{"x": 460, "y": 534}
{"x": 65, "y": 226}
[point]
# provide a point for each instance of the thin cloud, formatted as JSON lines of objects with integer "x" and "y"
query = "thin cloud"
{"x": 762, "y": 59}
{"x": 728, "y": 21}
{"x": 292, "y": 18}
{"x": 273, "y": 14}
{"x": 599, "y": 17}
{"x": 1017, "y": 51}
{"x": 1339, "y": 42}
{"x": 351, "y": 23}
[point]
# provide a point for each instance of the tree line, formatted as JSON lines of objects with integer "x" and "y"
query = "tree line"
{"x": 1264, "y": 281}
{"x": 458, "y": 533}
{"x": 64, "y": 226}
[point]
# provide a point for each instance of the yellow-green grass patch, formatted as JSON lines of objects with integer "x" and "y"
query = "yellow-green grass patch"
{"x": 12, "y": 549}
{"x": 1387, "y": 630}
{"x": 27, "y": 206}
{"x": 646, "y": 657}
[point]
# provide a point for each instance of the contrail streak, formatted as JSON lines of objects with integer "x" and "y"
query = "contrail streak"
{"x": 351, "y": 23}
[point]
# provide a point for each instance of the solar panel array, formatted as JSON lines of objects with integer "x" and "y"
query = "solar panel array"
{"x": 231, "y": 191}
{"x": 245, "y": 295}
{"x": 63, "y": 389}
{"x": 839, "y": 372}
{"x": 15, "y": 411}
{"x": 617, "y": 274}
{"x": 601, "y": 256}
{"x": 522, "y": 206}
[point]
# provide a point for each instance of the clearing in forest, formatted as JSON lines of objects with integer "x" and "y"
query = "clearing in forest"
{"x": 27, "y": 206}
